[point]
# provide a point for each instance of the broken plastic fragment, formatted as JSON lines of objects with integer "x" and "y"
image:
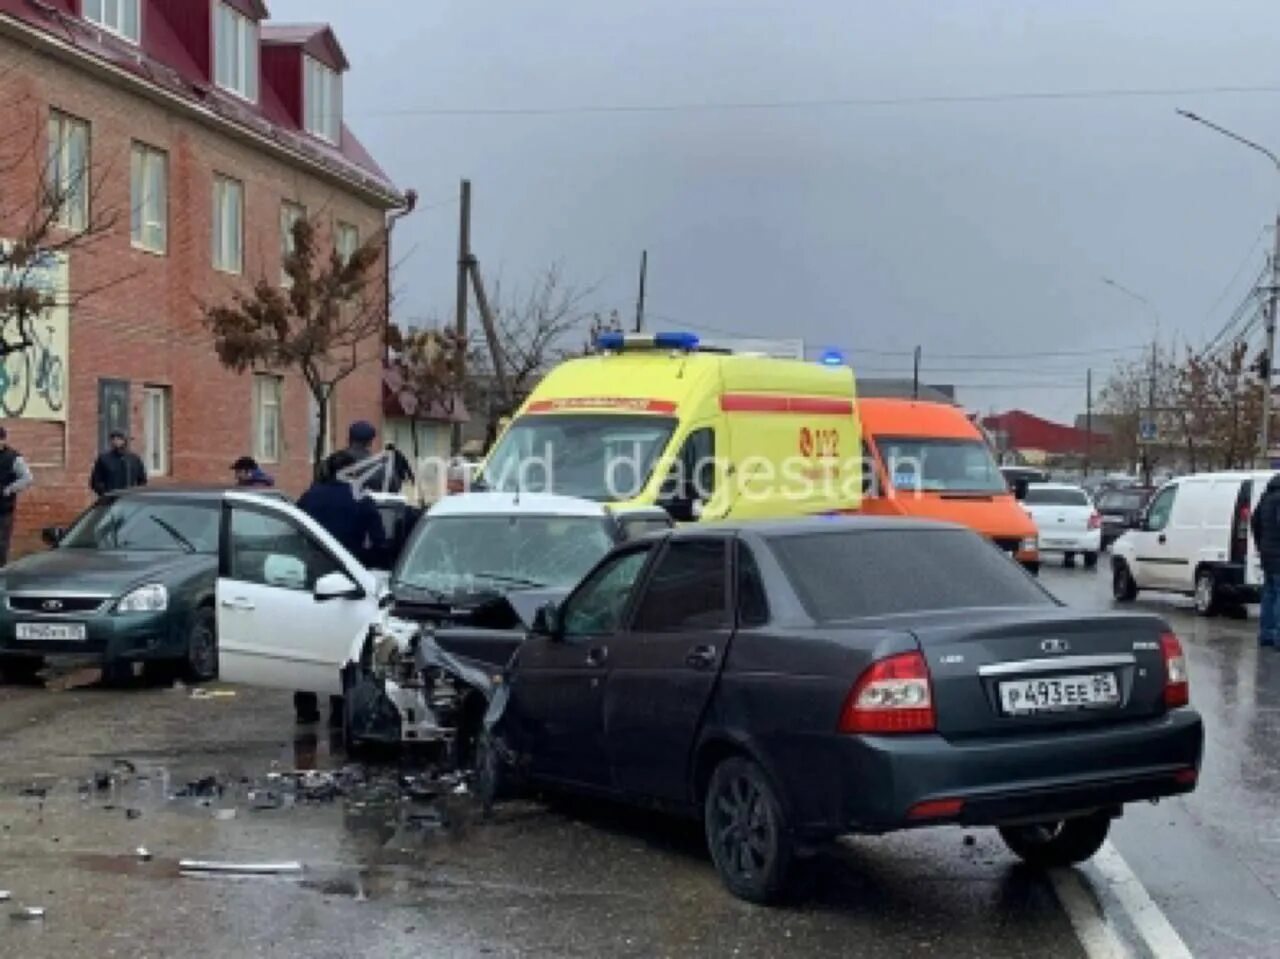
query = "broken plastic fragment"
{"x": 29, "y": 912}
{"x": 144, "y": 854}
{"x": 202, "y": 867}
{"x": 5, "y": 895}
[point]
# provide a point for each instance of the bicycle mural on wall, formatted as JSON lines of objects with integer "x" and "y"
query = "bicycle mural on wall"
{"x": 33, "y": 378}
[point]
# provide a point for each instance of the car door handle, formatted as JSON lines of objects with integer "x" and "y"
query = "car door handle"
{"x": 701, "y": 657}
{"x": 597, "y": 655}
{"x": 238, "y": 603}
{"x": 1161, "y": 539}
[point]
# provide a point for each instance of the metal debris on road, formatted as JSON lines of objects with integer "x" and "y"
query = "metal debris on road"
{"x": 29, "y": 912}
{"x": 200, "y": 867}
{"x": 199, "y": 693}
{"x": 144, "y": 854}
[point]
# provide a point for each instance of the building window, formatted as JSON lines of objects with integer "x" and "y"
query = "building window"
{"x": 156, "y": 406}
{"x": 121, "y": 17}
{"x": 67, "y": 170}
{"x": 236, "y": 45}
{"x": 290, "y": 215}
{"x": 228, "y": 225}
{"x": 347, "y": 241}
{"x": 322, "y": 96}
{"x": 266, "y": 418}
{"x": 149, "y": 179}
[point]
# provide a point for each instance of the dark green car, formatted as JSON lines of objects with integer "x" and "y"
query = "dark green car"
{"x": 132, "y": 581}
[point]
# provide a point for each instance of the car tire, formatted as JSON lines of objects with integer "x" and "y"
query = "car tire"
{"x": 1090, "y": 560}
{"x": 747, "y": 832}
{"x": 1208, "y": 599}
{"x": 1051, "y": 845}
{"x": 201, "y": 665}
{"x": 1123, "y": 587}
{"x": 21, "y": 670}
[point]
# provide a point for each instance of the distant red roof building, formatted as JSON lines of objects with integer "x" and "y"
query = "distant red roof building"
{"x": 1019, "y": 430}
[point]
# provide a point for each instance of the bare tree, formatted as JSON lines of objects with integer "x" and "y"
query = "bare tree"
{"x": 322, "y": 321}
{"x": 1132, "y": 393}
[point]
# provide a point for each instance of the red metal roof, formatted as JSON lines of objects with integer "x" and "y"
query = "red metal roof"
{"x": 317, "y": 39}
{"x": 399, "y": 401}
{"x": 1026, "y": 431}
{"x": 164, "y": 60}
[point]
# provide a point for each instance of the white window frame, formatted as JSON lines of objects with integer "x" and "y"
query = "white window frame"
{"x": 228, "y": 224}
{"x": 68, "y": 188}
{"x": 346, "y": 241}
{"x": 268, "y": 406}
{"x": 236, "y": 52}
{"x": 149, "y": 219}
{"x": 290, "y": 214}
{"x": 116, "y": 17}
{"x": 321, "y": 99}
{"x": 157, "y": 420}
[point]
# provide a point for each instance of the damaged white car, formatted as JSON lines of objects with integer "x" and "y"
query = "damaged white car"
{"x": 416, "y": 662}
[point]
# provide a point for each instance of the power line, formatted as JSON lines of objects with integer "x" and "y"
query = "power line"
{"x": 1113, "y": 93}
{"x": 1244, "y": 262}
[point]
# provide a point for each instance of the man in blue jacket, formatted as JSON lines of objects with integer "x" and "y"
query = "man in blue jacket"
{"x": 345, "y": 510}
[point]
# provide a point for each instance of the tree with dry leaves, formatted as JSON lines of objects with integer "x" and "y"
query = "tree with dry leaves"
{"x": 325, "y": 321}
{"x": 1221, "y": 403}
{"x": 424, "y": 372}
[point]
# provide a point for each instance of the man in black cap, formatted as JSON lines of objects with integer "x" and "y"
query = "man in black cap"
{"x": 372, "y": 477}
{"x": 118, "y": 468}
{"x": 250, "y": 475}
{"x": 15, "y": 476}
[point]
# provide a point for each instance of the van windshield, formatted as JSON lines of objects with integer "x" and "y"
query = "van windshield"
{"x": 936, "y": 464}
{"x": 603, "y": 457}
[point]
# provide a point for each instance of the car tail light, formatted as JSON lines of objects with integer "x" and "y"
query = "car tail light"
{"x": 892, "y": 696}
{"x": 1187, "y": 777}
{"x": 1095, "y": 521}
{"x": 1177, "y": 688}
{"x": 936, "y": 809}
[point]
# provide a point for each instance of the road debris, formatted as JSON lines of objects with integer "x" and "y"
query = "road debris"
{"x": 29, "y": 912}
{"x": 199, "y": 693}
{"x": 224, "y": 814}
{"x": 200, "y": 867}
{"x": 5, "y": 895}
{"x": 144, "y": 853}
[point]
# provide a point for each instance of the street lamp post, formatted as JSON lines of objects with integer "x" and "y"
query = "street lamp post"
{"x": 1264, "y": 438}
{"x": 1151, "y": 379}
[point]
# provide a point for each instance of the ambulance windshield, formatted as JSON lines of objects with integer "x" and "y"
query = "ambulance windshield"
{"x": 603, "y": 457}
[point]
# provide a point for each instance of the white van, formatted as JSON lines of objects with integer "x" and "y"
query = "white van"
{"x": 1193, "y": 538}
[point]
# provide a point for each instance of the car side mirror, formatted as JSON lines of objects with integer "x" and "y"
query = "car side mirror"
{"x": 1020, "y": 489}
{"x": 53, "y": 535}
{"x": 547, "y": 622}
{"x": 336, "y": 585}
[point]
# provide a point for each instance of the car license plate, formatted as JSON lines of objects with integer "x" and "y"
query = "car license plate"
{"x": 52, "y": 632}
{"x": 1059, "y": 694}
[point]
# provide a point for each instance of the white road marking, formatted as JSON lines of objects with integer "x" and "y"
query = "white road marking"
{"x": 1093, "y": 930}
{"x": 1151, "y": 923}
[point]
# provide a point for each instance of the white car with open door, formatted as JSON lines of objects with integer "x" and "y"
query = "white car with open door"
{"x": 291, "y": 601}
{"x": 1193, "y": 538}
{"x": 1067, "y": 521}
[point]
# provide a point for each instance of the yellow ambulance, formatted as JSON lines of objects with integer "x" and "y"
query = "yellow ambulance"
{"x": 707, "y": 434}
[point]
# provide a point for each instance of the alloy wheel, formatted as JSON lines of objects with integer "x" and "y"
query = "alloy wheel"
{"x": 744, "y": 828}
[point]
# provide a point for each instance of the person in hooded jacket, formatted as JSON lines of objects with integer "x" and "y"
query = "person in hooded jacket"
{"x": 1265, "y": 522}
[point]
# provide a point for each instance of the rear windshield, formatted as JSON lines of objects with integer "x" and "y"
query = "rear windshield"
{"x": 1040, "y": 496}
{"x": 842, "y": 576}
{"x": 1127, "y": 500}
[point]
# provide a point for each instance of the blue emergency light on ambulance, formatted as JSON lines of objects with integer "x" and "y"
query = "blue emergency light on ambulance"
{"x": 615, "y": 342}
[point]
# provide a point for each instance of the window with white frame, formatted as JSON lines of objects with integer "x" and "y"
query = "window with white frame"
{"x": 322, "y": 99}
{"x": 236, "y": 52}
{"x": 228, "y": 224}
{"x": 347, "y": 241}
{"x": 149, "y": 189}
{"x": 67, "y": 170}
{"x": 290, "y": 215}
{"x": 267, "y": 420}
{"x": 156, "y": 409}
{"x": 121, "y": 17}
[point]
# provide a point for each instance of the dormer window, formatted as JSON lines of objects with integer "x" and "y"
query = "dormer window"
{"x": 236, "y": 52}
{"x": 322, "y": 97}
{"x": 121, "y": 17}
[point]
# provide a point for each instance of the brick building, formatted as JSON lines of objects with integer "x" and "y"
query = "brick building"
{"x": 201, "y": 132}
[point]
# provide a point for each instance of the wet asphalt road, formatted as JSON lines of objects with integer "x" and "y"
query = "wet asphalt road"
{"x": 388, "y": 875}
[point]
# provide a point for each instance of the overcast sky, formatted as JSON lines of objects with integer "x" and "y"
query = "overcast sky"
{"x": 980, "y": 227}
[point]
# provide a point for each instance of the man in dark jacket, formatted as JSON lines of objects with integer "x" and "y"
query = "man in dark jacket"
{"x": 345, "y": 511}
{"x": 118, "y": 468}
{"x": 1266, "y": 536}
{"x": 250, "y": 475}
{"x": 15, "y": 476}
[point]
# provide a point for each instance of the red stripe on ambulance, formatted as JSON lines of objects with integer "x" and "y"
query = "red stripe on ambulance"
{"x": 772, "y": 403}
{"x": 628, "y": 404}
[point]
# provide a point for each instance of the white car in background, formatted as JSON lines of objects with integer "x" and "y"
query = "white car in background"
{"x": 1067, "y": 520}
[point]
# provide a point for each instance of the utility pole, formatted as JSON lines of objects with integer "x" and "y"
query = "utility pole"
{"x": 915, "y": 376}
{"x": 460, "y": 316}
{"x": 1088, "y": 421}
{"x": 644, "y": 272}
{"x": 1264, "y": 441}
{"x": 1151, "y": 415}
{"x": 490, "y": 324}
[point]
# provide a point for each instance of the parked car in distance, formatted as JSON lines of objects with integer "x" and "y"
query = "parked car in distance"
{"x": 1067, "y": 520}
{"x": 131, "y": 581}
{"x": 1193, "y": 538}
{"x": 1120, "y": 508}
{"x": 791, "y": 682}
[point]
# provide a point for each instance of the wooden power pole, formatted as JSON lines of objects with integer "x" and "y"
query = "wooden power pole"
{"x": 460, "y": 316}
{"x": 644, "y": 272}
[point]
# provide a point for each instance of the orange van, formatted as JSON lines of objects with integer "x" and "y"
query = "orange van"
{"x": 929, "y": 460}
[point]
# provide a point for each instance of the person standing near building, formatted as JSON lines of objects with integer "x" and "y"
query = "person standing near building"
{"x": 1265, "y": 523}
{"x": 118, "y": 468}
{"x": 249, "y": 475}
{"x": 374, "y": 477}
{"x": 15, "y": 476}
